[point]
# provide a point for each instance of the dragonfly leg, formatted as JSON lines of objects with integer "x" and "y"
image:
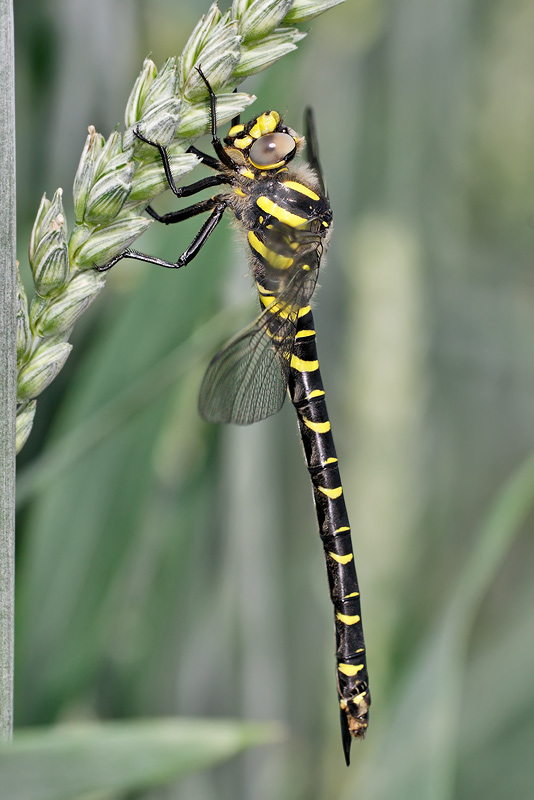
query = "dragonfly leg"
{"x": 217, "y": 205}
{"x": 192, "y": 188}
{"x": 209, "y": 161}
{"x": 215, "y": 141}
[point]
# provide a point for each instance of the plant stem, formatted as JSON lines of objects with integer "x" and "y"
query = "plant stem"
{"x": 8, "y": 366}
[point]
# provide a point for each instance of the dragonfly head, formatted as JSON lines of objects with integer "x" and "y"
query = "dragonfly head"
{"x": 262, "y": 144}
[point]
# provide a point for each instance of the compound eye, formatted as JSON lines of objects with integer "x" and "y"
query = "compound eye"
{"x": 271, "y": 148}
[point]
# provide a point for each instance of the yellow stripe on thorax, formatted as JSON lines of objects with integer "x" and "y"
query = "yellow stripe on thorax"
{"x": 304, "y": 334}
{"x": 299, "y": 187}
{"x": 286, "y": 217}
{"x": 272, "y": 258}
{"x": 315, "y": 393}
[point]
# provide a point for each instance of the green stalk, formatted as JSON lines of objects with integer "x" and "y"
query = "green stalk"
{"x": 8, "y": 366}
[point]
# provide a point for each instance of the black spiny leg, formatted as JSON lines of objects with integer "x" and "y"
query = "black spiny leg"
{"x": 184, "y": 213}
{"x": 312, "y": 148}
{"x": 218, "y": 204}
{"x": 179, "y": 191}
{"x": 215, "y": 204}
{"x": 216, "y": 142}
{"x": 209, "y": 161}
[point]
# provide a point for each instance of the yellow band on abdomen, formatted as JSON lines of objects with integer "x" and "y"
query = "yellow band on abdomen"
{"x": 350, "y": 669}
{"x": 341, "y": 559}
{"x": 303, "y": 366}
{"x": 333, "y": 494}
{"x": 348, "y": 620}
{"x": 317, "y": 427}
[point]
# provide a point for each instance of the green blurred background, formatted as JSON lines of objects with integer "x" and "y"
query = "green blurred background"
{"x": 166, "y": 566}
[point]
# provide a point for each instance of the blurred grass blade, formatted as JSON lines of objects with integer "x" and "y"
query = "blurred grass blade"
{"x": 158, "y": 378}
{"x": 67, "y": 762}
{"x": 420, "y": 745}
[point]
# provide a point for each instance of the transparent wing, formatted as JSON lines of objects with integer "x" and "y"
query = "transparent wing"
{"x": 294, "y": 285}
{"x": 246, "y": 381}
{"x": 312, "y": 147}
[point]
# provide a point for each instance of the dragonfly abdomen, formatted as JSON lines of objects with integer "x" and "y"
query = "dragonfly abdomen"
{"x": 308, "y": 397}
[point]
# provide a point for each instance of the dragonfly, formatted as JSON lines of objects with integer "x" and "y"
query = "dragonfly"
{"x": 283, "y": 210}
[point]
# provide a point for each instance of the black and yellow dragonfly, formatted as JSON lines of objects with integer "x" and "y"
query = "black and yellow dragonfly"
{"x": 286, "y": 217}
